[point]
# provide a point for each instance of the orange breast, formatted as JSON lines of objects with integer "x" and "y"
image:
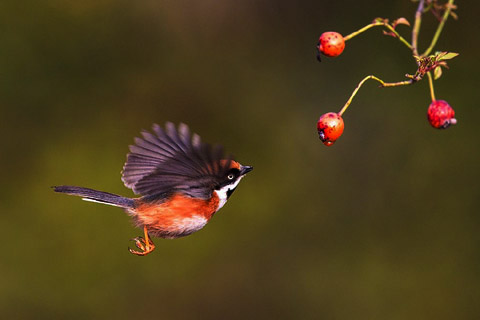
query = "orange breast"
{"x": 179, "y": 216}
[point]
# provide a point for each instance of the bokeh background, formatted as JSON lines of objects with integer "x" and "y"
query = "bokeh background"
{"x": 383, "y": 225}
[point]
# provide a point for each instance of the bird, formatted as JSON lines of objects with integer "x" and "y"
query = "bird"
{"x": 181, "y": 182}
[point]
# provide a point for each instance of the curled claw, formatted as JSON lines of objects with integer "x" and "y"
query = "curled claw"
{"x": 139, "y": 243}
{"x": 145, "y": 245}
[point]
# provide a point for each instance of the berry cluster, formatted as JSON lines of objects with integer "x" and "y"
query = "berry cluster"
{"x": 440, "y": 114}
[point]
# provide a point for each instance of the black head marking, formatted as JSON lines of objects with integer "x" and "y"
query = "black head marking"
{"x": 231, "y": 176}
{"x": 230, "y": 191}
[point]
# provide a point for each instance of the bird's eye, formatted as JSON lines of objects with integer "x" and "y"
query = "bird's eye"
{"x": 230, "y": 176}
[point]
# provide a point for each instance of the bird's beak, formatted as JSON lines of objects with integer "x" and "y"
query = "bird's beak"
{"x": 245, "y": 169}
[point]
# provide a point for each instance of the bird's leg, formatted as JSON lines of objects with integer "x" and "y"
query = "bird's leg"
{"x": 145, "y": 245}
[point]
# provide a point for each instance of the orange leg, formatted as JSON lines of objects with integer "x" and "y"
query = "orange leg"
{"x": 145, "y": 245}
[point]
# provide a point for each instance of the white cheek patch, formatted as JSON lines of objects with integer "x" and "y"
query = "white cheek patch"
{"x": 222, "y": 193}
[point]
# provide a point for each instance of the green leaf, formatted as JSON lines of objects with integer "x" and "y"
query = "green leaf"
{"x": 437, "y": 73}
{"x": 439, "y": 56}
{"x": 449, "y": 55}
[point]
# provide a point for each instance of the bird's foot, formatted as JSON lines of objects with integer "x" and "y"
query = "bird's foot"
{"x": 145, "y": 245}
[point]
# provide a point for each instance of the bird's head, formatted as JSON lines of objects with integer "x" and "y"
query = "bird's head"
{"x": 230, "y": 180}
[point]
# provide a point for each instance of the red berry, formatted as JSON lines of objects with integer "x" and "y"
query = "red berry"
{"x": 331, "y": 44}
{"x": 330, "y": 128}
{"x": 440, "y": 114}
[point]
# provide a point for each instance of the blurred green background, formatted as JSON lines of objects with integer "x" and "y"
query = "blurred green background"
{"x": 383, "y": 225}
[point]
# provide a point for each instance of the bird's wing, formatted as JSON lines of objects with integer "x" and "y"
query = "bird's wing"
{"x": 170, "y": 160}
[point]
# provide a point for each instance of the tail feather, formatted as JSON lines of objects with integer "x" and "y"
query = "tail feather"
{"x": 96, "y": 196}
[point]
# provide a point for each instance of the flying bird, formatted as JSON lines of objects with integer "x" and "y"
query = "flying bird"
{"x": 181, "y": 182}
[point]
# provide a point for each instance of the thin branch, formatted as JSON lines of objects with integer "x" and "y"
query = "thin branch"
{"x": 405, "y": 42}
{"x": 430, "y": 84}
{"x": 446, "y": 14}
{"x": 416, "y": 27}
{"x": 382, "y": 84}
{"x": 375, "y": 24}
{"x": 368, "y": 26}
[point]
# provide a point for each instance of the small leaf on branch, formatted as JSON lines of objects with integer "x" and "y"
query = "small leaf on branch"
{"x": 401, "y": 20}
{"x": 437, "y": 73}
{"x": 446, "y": 56}
{"x": 438, "y": 9}
{"x": 380, "y": 20}
{"x": 391, "y": 34}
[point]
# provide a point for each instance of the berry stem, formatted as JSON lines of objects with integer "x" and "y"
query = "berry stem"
{"x": 446, "y": 14}
{"x": 356, "y": 33}
{"x": 375, "y": 24}
{"x": 430, "y": 83}
{"x": 416, "y": 27}
{"x": 382, "y": 84}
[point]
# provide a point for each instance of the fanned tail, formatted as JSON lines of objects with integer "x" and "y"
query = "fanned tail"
{"x": 96, "y": 196}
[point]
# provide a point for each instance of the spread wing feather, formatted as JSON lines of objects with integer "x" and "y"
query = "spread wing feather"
{"x": 172, "y": 159}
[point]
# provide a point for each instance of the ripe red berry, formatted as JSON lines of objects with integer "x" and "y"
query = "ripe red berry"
{"x": 440, "y": 114}
{"x": 330, "y": 128}
{"x": 330, "y": 44}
